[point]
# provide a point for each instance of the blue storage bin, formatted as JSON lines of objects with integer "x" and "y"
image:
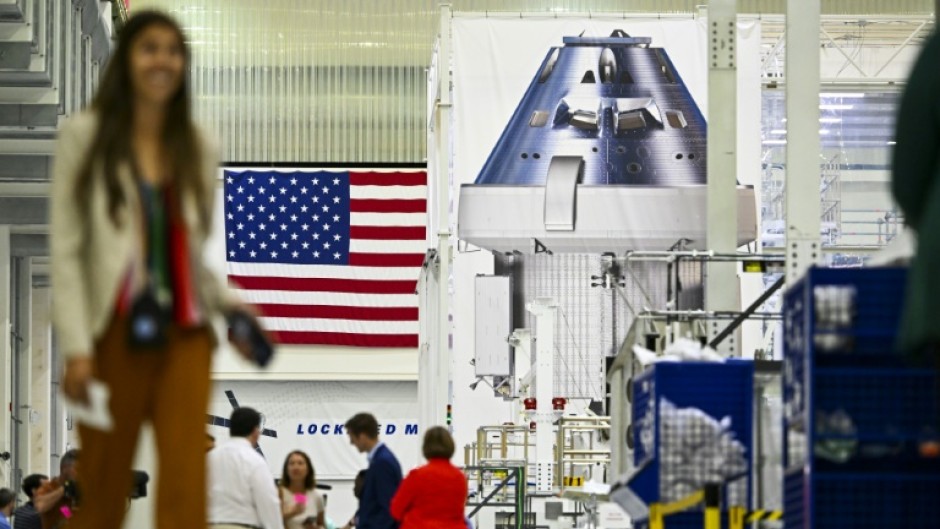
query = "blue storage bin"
{"x": 854, "y": 409}
{"x": 886, "y": 405}
{"x": 719, "y": 390}
{"x": 863, "y": 501}
{"x": 878, "y": 298}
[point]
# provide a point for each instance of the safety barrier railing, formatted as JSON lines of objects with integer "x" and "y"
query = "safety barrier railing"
{"x": 710, "y": 498}
{"x": 738, "y": 517}
{"x": 573, "y": 461}
{"x": 507, "y": 478}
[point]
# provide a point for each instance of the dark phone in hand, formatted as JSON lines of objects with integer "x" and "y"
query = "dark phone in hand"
{"x": 243, "y": 328}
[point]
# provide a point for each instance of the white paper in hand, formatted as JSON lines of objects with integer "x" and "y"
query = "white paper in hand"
{"x": 96, "y": 413}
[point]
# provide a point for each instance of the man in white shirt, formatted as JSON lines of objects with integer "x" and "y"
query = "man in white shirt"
{"x": 241, "y": 488}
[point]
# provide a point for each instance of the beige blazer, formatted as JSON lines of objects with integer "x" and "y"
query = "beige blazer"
{"x": 91, "y": 255}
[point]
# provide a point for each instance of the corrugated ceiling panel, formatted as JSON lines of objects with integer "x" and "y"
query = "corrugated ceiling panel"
{"x": 344, "y": 80}
{"x": 854, "y": 7}
{"x": 301, "y": 81}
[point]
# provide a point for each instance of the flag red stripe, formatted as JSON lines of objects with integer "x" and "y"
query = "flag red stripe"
{"x": 386, "y": 259}
{"x": 396, "y": 205}
{"x": 388, "y": 179}
{"x": 331, "y": 312}
{"x": 345, "y": 339}
{"x": 388, "y": 233}
{"x": 312, "y": 284}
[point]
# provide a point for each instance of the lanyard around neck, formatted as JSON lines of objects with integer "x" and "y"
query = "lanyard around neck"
{"x": 154, "y": 205}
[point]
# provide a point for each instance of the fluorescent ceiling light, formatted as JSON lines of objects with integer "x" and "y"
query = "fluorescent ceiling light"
{"x": 783, "y": 131}
{"x": 775, "y": 142}
{"x": 824, "y": 120}
{"x": 836, "y": 107}
{"x": 892, "y": 143}
{"x": 844, "y": 95}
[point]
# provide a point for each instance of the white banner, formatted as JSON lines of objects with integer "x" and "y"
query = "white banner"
{"x": 309, "y": 416}
{"x": 494, "y": 61}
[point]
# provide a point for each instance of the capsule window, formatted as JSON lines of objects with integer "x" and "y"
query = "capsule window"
{"x": 676, "y": 119}
{"x": 539, "y": 118}
{"x": 633, "y": 120}
{"x": 549, "y": 66}
{"x": 584, "y": 119}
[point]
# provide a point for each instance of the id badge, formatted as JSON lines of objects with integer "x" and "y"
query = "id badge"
{"x": 148, "y": 323}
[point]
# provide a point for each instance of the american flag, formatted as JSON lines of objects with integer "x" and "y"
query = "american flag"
{"x": 329, "y": 258}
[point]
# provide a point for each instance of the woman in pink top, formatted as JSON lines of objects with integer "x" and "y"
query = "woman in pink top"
{"x": 302, "y": 505}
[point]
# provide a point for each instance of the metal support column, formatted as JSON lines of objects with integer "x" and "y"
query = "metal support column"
{"x": 22, "y": 367}
{"x": 803, "y": 146}
{"x": 6, "y": 353}
{"x": 619, "y": 418}
{"x": 545, "y": 311}
{"x": 442, "y": 357}
{"x": 521, "y": 341}
{"x": 40, "y": 412}
{"x": 721, "y": 286}
{"x": 425, "y": 339}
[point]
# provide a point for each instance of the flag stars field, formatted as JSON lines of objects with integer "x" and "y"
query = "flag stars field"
{"x": 342, "y": 274}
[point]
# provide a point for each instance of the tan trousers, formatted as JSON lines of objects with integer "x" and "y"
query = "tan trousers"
{"x": 170, "y": 388}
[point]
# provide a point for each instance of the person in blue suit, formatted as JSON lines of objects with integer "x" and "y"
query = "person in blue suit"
{"x": 382, "y": 477}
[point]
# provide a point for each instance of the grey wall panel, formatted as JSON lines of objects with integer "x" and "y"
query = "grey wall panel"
{"x": 91, "y": 14}
{"x": 13, "y": 11}
{"x": 493, "y": 325}
{"x": 22, "y": 245}
{"x": 15, "y": 55}
{"x": 24, "y": 210}
{"x": 25, "y": 167}
{"x": 15, "y": 115}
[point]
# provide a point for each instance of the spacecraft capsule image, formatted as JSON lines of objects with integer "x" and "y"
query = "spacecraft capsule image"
{"x": 606, "y": 151}
{"x": 618, "y": 104}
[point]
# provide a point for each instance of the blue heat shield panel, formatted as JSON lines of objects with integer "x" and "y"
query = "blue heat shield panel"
{"x": 617, "y": 103}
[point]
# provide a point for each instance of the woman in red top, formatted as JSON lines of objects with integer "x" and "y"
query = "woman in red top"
{"x": 433, "y": 496}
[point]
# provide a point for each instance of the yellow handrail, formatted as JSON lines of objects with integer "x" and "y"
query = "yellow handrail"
{"x": 684, "y": 504}
{"x": 711, "y": 498}
{"x": 659, "y": 511}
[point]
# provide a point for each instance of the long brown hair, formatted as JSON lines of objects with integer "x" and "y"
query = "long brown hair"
{"x": 114, "y": 106}
{"x": 310, "y": 480}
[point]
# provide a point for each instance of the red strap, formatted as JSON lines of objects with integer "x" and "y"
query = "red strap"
{"x": 185, "y": 310}
{"x": 125, "y": 293}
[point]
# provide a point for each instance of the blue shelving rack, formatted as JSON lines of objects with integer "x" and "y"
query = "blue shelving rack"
{"x": 855, "y": 410}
